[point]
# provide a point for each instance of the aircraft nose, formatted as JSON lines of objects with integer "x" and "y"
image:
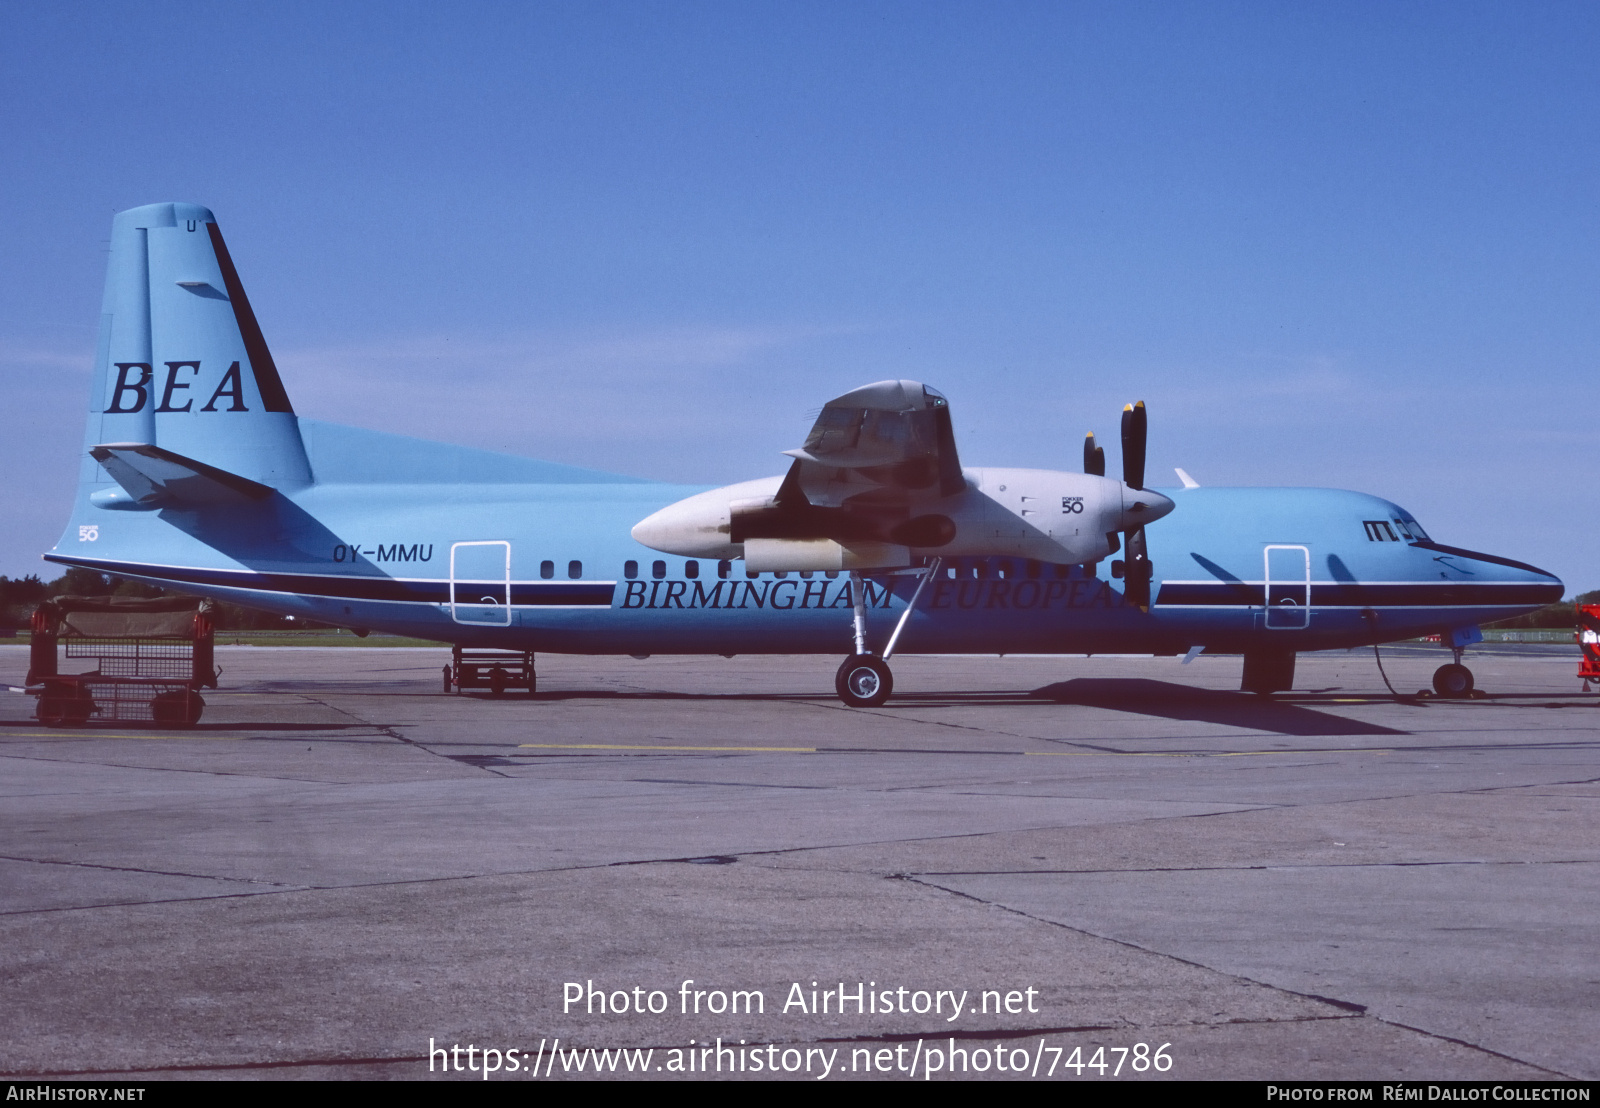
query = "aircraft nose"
{"x": 1142, "y": 506}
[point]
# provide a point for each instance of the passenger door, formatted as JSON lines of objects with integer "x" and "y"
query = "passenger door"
{"x": 1287, "y": 590}
{"x": 480, "y": 583}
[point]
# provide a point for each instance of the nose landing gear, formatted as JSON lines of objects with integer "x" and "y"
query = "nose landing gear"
{"x": 1453, "y": 681}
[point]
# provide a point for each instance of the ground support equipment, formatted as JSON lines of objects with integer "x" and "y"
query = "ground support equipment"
{"x": 495, "y": 670}
{"x": 1589, "y": 643}
{"x": 152, "y": 657}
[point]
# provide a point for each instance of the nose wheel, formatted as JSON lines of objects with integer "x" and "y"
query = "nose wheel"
{"x": 1452, "y": 681}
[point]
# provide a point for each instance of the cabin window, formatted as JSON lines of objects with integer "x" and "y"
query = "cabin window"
{"x": 806, "y": 574}
{"x": 574, "y": 570}
{"x": 658, "y": 570}
{"x": 547, "y": 569}
{"x": 832, "y": 574}
{"x": 1033, "y": 570}
{"x": 630, "y": 569}
{"x": 691, "y": 570}
{"x": 752, "y": 574}
{"x": 724, "y": 568}
{"x": 1378, "y": 530}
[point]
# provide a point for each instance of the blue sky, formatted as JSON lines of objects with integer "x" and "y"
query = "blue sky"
{"x": 1348, "y": 244}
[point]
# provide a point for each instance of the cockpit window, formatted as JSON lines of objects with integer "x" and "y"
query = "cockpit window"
{"x": 835, "y": 429}
{"x": 1394, "y": 529}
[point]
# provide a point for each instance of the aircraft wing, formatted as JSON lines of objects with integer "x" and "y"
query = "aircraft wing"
{"x": 892, "y": 441}
{"x": 876, "y": 461}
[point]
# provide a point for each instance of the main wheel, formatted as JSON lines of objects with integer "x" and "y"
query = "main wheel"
{"x": 65, "y": 705}
{"x": 52, "y": 711}
{"x": 1452, "y": 681}
{"x": 864, "y": 681}
{"x": 80, "y": 708}
{"x": 177, "y": 707}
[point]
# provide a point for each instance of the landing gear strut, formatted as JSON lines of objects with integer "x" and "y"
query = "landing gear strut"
{"x": 865, "y": 680}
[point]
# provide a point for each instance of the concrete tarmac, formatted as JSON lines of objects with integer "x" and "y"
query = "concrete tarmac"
{"x": 342, "y": 872}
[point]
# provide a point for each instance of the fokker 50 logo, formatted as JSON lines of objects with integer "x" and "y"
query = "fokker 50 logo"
{"x": 136, "y": 387}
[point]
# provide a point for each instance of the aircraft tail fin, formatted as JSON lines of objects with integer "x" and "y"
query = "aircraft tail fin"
{"x": 181, "y": 363}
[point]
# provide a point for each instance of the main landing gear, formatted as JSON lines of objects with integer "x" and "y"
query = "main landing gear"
{"x": 864, "y": 679}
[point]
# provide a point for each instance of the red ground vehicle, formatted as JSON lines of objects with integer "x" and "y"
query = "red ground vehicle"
{"x": 151, "y": 657}
{"x": 1589, "y": 643}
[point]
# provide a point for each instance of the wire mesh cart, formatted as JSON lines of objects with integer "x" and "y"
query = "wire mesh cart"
{"x": 495, "y": 670}
{"x": 151, "y": 659}
{"x": 1589, "y": 643}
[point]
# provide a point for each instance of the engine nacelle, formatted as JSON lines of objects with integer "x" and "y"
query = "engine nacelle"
{"x": 1045, "y": 515}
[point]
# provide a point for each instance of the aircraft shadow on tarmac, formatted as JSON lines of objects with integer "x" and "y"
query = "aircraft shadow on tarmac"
{"x": 1140, "y": 696}
{"x": 1183, "y": 702}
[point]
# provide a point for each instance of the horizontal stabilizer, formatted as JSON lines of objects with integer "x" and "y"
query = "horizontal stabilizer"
{"x": 159, "y": 478}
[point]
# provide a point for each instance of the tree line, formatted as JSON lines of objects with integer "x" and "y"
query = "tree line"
{"x": 21, "y": 595}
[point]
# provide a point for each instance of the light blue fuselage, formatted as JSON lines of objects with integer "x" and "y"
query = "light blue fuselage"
{"x": 369, "y": 545}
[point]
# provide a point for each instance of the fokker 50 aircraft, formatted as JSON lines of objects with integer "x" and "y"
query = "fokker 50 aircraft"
{"x": 198, "y": 476}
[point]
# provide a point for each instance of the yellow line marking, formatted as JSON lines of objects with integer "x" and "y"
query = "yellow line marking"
{"x": 1110, "y": 754}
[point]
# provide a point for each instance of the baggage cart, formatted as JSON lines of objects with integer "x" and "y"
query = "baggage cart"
{"x": 495, "y": 670}
{"x": 151, "y": 658}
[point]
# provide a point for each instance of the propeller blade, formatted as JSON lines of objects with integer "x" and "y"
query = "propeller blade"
{"x": 1134, "y": 431}
{"x": 1137, "y": 571}
{"x": 1094, "y": 457}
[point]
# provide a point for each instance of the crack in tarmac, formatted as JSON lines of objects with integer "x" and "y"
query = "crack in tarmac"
{"x": 1360, "y": 1010}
